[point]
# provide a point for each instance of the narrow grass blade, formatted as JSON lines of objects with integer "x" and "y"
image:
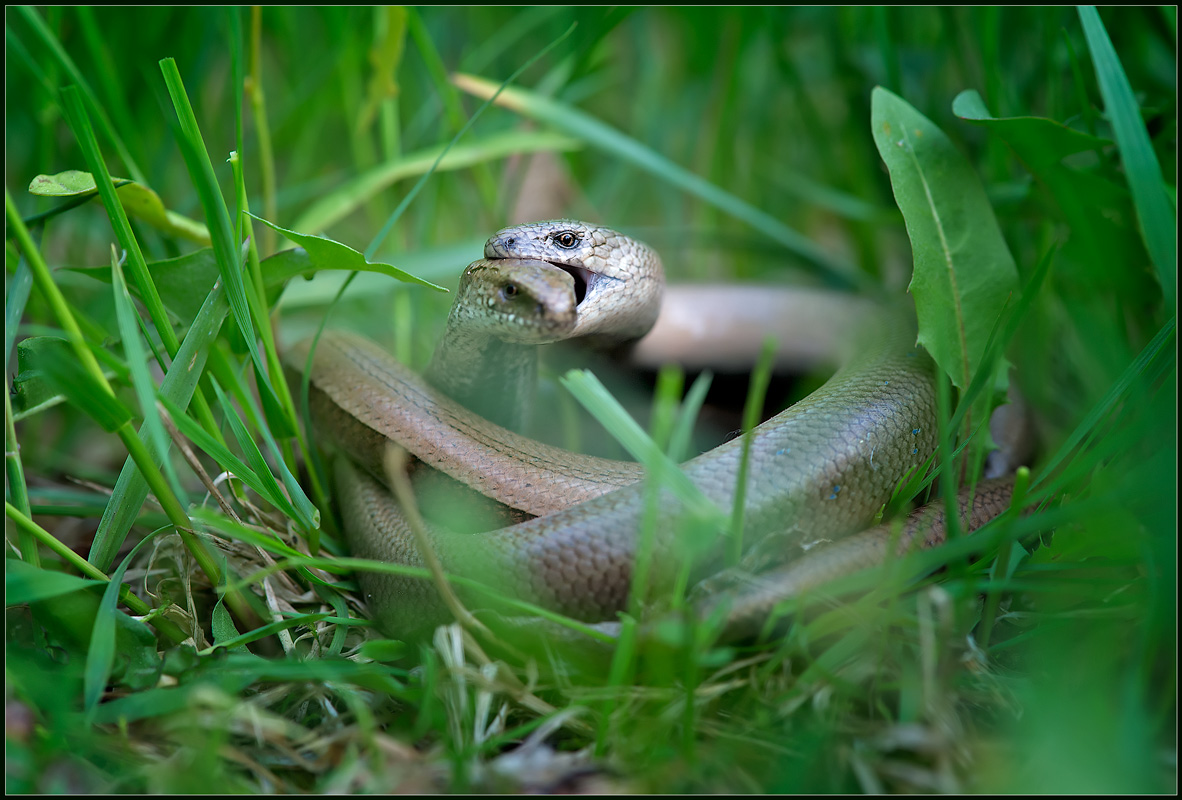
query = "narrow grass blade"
{"x": 257, "y": 475}
{"x": 595, "y": 397}
{"x": 17, "y": 295}
{"x": 1159, "y": 224}
{"x": 101, "y": 656}
{"x": 80, "y": 125}
{"x": 413, "y": 193}
{"x": 683, "y": 430}
{"x": 54, "y": 47}
{"x": 137, "y": 362}
{"x": 18, "y": 491}
{"x": 178, "y": 386}
{"x": 224, "y": 244}
{"x": 752, "y": 408}
{"x": 353, "y": 194}
{"x": 1131, "y": 374}
{"x": 450, "y": 96}
{"x": 57, "y": 363}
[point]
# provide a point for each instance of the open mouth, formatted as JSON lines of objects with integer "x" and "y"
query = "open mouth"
{"x": 584, "y": 278}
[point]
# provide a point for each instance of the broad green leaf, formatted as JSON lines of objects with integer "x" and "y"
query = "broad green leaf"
{"x": 64, "y": 184}
{"x": 385, "y": 649}
{"x": 1159, "y": 224}
{"x": 52, "y": 360}
{"x": 1038, "y": 141}
{"x": 963, "y": 273}
{"x": 329, "y": 254}
{"x": 352, "y": 195}
{"x": 138, "y": 200}
{"x": 223, "y": 628}
{"x": 24, "y": 583}
{"x": 183, "y": 282}
{"x": 1099, "y": 212}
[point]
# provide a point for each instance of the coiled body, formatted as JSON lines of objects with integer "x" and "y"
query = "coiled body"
{"x": 818, "y": 470}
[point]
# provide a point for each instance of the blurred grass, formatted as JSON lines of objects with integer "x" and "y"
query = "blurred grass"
{"x": 1076, "y": 690}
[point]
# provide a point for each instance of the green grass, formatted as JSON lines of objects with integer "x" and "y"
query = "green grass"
{"x": 739, "y": 143}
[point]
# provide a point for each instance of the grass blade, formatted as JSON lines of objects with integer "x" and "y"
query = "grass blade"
{"x": 577, "y": 123}
{"x": 1158, "y": 223}
{"x": 178, "y": 386}
{"x": 54, "y": 47}
{"x": 353, "y": 194}
{"x": 595, "y": 397}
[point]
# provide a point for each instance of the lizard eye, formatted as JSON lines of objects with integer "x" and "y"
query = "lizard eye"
{"x": 566, "y": 239}
{"x": 509, "y": 291}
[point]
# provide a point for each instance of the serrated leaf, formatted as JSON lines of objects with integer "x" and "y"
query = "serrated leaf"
{"x": 963, "y": 273}
{"x": 328, "y": 254}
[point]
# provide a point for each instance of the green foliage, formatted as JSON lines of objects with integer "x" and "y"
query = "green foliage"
{"x": 740, "y": 143}
{"x": 50, "y": 369}
{"x": 136, "y": 199}
{"x": 1158, "y": 222}
{"x": 963, "y": 272}
{"x": 325, "y": 254}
